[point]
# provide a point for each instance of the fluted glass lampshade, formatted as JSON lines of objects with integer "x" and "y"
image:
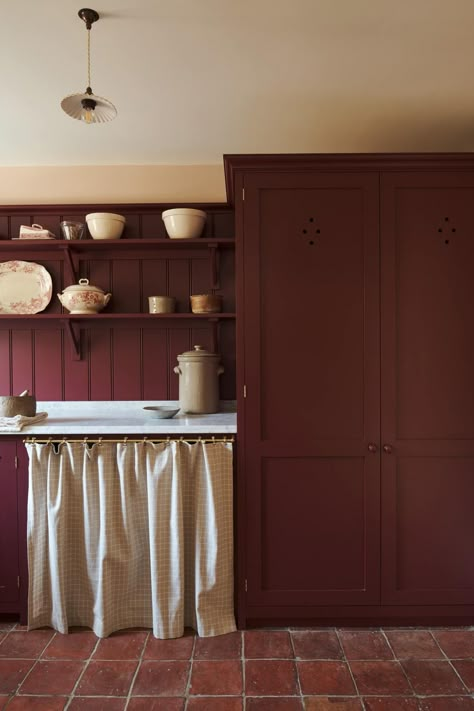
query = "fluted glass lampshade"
{"x": 88, "y": 107}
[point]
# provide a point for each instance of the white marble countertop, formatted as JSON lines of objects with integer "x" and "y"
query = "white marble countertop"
{"x": 124, "y": 417}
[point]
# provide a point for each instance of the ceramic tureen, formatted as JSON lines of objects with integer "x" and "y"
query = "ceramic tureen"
{"x": 83, "y": 298}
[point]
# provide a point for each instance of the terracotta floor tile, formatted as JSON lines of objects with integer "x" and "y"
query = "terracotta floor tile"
{"x": 316, "y": 645}
{"x": 216, "y": 678}
{"x": 56, "y": 677}
{"x": 3, "y": 701}
{"x": 18, "y": 645}
{"x": 380, "y": 678}
{"x": 161, "y": 679}
{"x": 224, "y": 646}
{"x": 394, "y": 703}
{"x": 261, "y": 644}
{"x": 179, "y": 648}
{"x": 270, "y": 678}
{"x": 12, "y": 673}
{"x": 432, "y": 677}
{"x": 97, "y": 704}
{"x": 107, "y": 678}
{"x": 365, "y": 644}
{"x": 149, "y": 703}
{"x": 270, "y": 703}
{"x": 126, "y": 644}
{"x": 447, "y": 703}
{"x": 325, "y": 677}
{"x": 465, "y": 669}
{"x": 414, "y": 644}
{"x": 323, "y": 703}
{"x": 78, "y": 644}
{"x": 215, "y": 703}
{"x": 456, "y": 644}
{"x": 38, "y": 703}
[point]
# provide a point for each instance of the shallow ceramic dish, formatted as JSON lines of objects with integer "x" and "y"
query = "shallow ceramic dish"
{"x": 25, "y": 287}
{"x": 161, "y": 412}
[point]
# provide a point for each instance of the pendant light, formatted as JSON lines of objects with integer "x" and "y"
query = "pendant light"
{"x": 88, "y": 107}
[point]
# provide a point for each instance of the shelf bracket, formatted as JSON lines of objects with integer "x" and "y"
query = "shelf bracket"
{"x": 69, "y": 264}
{"x": 73, "y": 332}
{"x": 214, "y": 262}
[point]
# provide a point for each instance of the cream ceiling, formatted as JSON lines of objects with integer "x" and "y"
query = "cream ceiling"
{"x": 193, "y": 80}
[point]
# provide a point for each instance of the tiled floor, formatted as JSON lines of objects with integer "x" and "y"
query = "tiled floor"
{"x": 258, "y": 670}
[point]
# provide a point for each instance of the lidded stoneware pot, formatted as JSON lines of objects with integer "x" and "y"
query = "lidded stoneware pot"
{"x": 199, "y": 372}
{"x": 83, "y": 298}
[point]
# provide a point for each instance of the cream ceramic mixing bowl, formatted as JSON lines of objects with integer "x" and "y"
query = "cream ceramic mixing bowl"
{"x": 105, "y": 225}
{"x": 184, "y": 222}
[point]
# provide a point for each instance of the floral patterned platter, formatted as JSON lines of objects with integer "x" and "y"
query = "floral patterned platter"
{"x": 25, "y": 287}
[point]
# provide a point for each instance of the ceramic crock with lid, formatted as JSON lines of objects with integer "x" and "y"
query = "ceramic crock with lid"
{"x": 83, "y": 298}
{"x": 199, "y": 372}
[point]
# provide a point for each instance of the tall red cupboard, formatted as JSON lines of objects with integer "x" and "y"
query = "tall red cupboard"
{"x": 355, "y": 352}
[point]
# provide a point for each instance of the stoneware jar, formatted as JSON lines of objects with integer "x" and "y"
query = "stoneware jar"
{"x": 199, "y": 372}
{"x": 83, "y": 298}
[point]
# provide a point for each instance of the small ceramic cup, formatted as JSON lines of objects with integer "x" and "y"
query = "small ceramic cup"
{"x": 161, "y": 304}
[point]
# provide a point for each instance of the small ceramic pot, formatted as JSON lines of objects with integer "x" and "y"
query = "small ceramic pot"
{"x": 12, "y": 405}
{"x": 161, "y": 304}
{"x": 83, "y": 298}
{"x": 198, "y": 382}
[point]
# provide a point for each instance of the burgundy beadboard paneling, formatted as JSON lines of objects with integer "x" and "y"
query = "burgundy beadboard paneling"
{"x": 22, "y": 361}
{"x": 127, "y": 364}
{"x": 118, "y": 360}
{"x": 76, "y": 372}
{"x": 126, "y": 283}
{"x": 100, "y": 364}
{"x": 4, "y": 230}
{"x": 200, "y": 276}
{"x": 48, "y": 359}
{"x": 5, "y": 367}
{"x": 154, "y": 280}
{"x": 179, "y": 281}
{"x": 179, "y": 342}
{"x": 156, "y": 375}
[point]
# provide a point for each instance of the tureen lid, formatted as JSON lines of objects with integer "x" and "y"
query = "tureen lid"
{"x": 83, "y": 285}
{"x": 198, "y": 353}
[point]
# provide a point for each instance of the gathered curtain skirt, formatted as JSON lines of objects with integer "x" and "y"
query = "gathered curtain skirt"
{"x": 131, "y": 535}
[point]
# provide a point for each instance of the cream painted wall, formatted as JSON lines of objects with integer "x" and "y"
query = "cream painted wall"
{"x": 116, "y": 183}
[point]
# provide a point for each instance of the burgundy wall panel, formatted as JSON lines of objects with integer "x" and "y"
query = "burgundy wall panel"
{"x": 76, "y": 372}
{"x": 127, "y": 364}
{"x": 156, "y": 378}
{"x": 48, "y": 359}
{"x": 179, "y": 283}
{"x": 154, "y": 280}
{"x": 8, "y": 527}
{"x": 100, "y": 359}
{"x": 22, "y": 361}
{"x": 5, "y": 367}
{"x": 125, "y": 287}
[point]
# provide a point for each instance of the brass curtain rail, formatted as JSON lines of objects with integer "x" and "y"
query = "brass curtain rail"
{"x": 127, "y": 440}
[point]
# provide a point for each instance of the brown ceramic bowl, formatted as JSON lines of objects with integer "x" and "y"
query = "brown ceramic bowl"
{"x": 206, "y": 303}
{"x": 11, "y": 405}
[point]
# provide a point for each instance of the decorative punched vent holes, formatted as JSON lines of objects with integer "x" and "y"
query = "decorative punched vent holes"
{"x": 311, "y": 231}
{"x": 446, "y": 229}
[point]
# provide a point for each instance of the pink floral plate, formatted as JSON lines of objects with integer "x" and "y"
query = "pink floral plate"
{"x": 25, "y": 287}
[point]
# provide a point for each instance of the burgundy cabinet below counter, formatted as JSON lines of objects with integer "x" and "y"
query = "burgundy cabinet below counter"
{"x": 13, "y": 560}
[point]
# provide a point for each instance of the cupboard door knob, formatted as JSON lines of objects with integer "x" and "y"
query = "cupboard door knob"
{"x": 372, "y": 448}
{"x": 387, "y": 448}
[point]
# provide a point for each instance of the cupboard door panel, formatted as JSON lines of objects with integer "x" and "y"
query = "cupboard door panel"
{"x": 427, "y": 225}
{"x": 313, "y": 522}
{"x": 9, "y": 570}
{"x": 311, "y": 361}
{"x": 428, "y": 503}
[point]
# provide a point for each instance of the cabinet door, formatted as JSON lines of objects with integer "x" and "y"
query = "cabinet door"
{"x": 427, "y": 281}
{"x": 310, "y": 307}
{"x": 9, "y": 571}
